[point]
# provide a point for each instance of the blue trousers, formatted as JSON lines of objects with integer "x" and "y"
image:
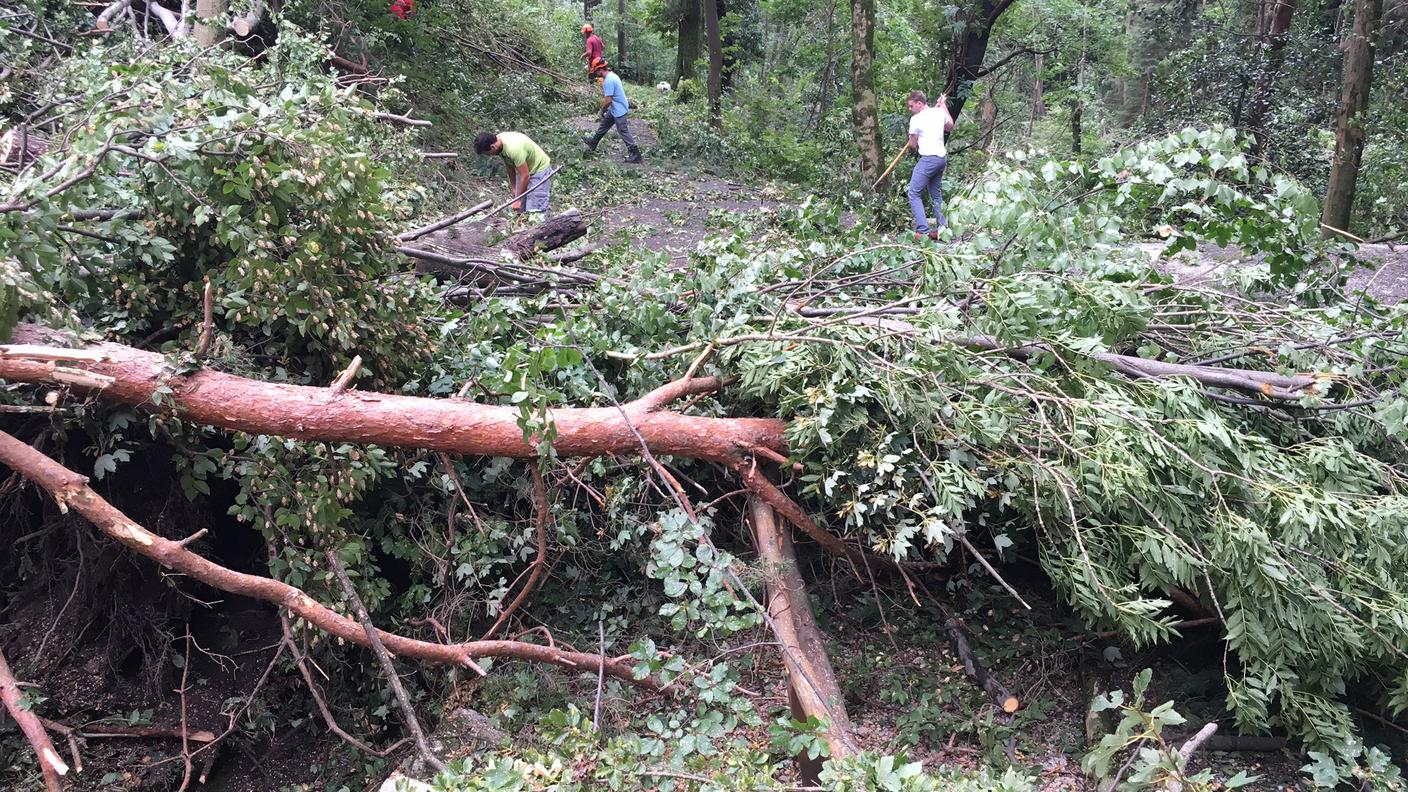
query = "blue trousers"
{"x": 928, "y": 175}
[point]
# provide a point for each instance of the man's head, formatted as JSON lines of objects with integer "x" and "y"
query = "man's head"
{"x": 917, "y": 101}
{"x": 587, "y": 29}
{"x": 487, "y": 143}
{"x": 598, "y": 68}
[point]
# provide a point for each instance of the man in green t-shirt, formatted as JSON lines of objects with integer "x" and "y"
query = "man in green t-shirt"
{"x": 527, "y": 165}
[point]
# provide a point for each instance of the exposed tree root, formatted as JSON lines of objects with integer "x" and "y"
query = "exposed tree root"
{"x": 540, "y": 520}
{"x": 71, "y": 490}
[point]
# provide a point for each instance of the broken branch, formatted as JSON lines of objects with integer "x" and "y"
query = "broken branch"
{"x": 50, "y": 763}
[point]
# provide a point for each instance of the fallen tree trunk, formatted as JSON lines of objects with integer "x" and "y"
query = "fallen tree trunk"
{"x": 141, "y": 379}
{"x": 71, "y": 491}
{"x": 452, "y": 243}
{"x": 19, "y": 147}
{"x": 813, "y": 691}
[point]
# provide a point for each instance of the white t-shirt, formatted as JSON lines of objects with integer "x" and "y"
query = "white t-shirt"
{"x": 928, "y": 124}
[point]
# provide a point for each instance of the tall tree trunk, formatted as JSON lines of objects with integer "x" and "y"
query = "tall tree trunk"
{"x": 621, "y": 36}
{"x": 828, "y": 75}
{"x": 208, "y": 35}
{"x": 1354, "y": 99}
{"x": 1274, "y": 23}
{"x": 1076, "y": 131}
{"x": 972, "y": 48}
{"x": 865, "y": 111}
{"x": 1038, "y": 101}
{"x": 716, "y": 63}
{"x": 687, "y": 50}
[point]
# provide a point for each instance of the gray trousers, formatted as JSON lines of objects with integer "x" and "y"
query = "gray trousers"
{"x": 619, "y": 122}
{"x": 927, "y": 177}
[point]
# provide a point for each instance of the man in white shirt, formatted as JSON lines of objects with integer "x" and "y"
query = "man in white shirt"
{"x": 927, "y": 126}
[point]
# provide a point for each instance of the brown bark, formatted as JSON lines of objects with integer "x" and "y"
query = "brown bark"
{"x": 620, "y": 34}
{"x": 811, "y": 681}
{"x": 19, "y": 147}
{"x": 1274, "y": 22}
{"x": 208, "y": 34}
{"x": 71, "y": 491}
{"x": 49, "y": 762}
{"x": 865, "y": 110}
{"x": 540, "y": 524}
{"x": 687, "y": 46}
{"x": 716, "y": 62}
{"x": 1354, "y": 101}
{"x": 967, "y": 64}
{"x": 998, "y": 692}
{"x": 451, "y": 425}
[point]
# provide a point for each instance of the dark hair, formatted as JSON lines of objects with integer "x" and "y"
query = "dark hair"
{"x": 918, "y": 96}
{"x": 484, "y": 141}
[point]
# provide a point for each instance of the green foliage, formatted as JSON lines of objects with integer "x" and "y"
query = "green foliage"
{"x": 1136, "y": 755}
{"x": 868, "y": 772}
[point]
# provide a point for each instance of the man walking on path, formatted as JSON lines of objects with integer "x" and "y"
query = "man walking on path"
{"x": 614, "y": 107}
{"x": 527, "y": 165}
{"x": 927, "y": 126}
{"x": 595, "y": 51}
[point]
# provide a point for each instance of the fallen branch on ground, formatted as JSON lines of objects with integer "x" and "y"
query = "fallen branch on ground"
{"x": 811, "y": 681}
{"x": 71, "y": 491}
{"x": 49, "y": 762}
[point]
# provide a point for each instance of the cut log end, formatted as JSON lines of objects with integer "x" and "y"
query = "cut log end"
{"x": 1010, "y": 705}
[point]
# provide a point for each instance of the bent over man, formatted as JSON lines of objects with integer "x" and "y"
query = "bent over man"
{"x": 927, "y": 126}
{"x": 527, "y": 165}
{"x": 614, "y": 107}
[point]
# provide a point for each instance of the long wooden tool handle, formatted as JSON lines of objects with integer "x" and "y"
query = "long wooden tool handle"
{"x": 893, "y": 163}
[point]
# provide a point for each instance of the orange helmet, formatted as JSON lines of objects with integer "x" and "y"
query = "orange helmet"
{"x": 598, "y": 64}
{"x": 587, "y": 28}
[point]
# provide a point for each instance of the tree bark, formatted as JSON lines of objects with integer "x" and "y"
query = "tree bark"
{"x": 621, "y": 36}
{"x": 1076, "y": 131}
{"x": 1354, "y": 100}
{"x": 307, "y": 413}
{"x": 811, "y": 681}
{"x": 972, "y": 48}
{"x": 716, "y": 62}
{"x": 19, "y": 147}
{"x": 1275, "y": 22}
{"x": 208, "y": 34}
{"x": 71, "y": 491}
{"x": 688, "y": 31}
{"x": 50, "y": 764}
{"x": 865, "y": 111}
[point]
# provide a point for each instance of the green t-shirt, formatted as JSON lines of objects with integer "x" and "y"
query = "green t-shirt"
{"x": 519, "y": 149}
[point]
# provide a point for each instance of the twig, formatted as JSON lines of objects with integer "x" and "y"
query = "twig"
{"x": 1004, "y": 699}
{"x": 387, "y": 666}
{"x": 540, "y": 498}
{"x": 400, "y": 119}
{"x": 445, "y": 222}
{"x": 185, "y": 739}
{"x": 964, "y": 541}
{"x": 345, "y": 377}
{"x": 207, "y": 323}
{"x": 600, "y": 677}
{"x": 1186, "y": 752}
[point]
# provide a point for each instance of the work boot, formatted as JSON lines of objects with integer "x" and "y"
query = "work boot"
{"x": 590, "y": 143}
{"x": 635, "y": 157}
{"x": 933, "y": 236}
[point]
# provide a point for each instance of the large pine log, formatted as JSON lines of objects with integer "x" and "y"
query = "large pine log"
{"x": 459, "y": 427}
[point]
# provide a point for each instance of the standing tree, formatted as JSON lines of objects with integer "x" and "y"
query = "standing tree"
{"x": 865, "y": 113}
{"x": 1354, "y": 98}
{"x": 207, "y": 34}
{"x": 716, "y": 62}
{"x": 967, "y": 65}
{"x": 1273, "y": 21}
{"x": 621, "y": 34}
{"x": 687, "y": 50}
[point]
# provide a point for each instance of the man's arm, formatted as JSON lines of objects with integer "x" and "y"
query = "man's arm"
{"x": 942, "y": 104}
{"x": 522, "y": 185}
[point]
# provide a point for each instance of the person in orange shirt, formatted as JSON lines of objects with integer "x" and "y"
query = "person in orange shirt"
{"x": 594, "y": 45}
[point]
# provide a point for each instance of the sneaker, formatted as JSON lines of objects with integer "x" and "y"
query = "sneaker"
{"x": 933, "y": 236}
